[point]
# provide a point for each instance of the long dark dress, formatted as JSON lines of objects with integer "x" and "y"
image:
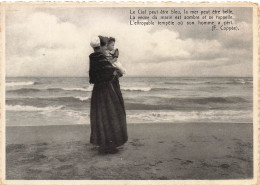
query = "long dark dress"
{"x": 107, "y": 113}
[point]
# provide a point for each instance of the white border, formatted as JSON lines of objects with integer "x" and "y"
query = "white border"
{"x": 140, "y": 4}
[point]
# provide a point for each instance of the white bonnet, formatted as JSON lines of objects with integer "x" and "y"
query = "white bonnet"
{"x": 95, "y": 42}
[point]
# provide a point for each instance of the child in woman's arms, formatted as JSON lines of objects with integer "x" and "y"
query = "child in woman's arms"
{"x": 112, "y": 55}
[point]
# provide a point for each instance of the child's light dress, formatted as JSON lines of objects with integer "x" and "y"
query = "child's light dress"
{"x": 114, "y": 54}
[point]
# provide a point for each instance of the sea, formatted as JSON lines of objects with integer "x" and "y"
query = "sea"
{"x": 39, "y": 101}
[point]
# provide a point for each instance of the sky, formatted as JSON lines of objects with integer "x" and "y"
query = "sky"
{"x": 48, "y": 41}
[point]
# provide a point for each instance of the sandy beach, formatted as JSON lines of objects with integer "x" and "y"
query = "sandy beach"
{"x": 153, "y": 151}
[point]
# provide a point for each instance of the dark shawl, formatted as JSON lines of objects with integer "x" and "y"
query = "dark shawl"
{"x": 100, "y": 69}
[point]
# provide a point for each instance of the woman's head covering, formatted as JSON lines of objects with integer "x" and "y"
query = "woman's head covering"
{"x": 103, "y": 40}
{"x": 95, "y": 42}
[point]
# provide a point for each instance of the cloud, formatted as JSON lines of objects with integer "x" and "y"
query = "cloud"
{"x": 41, "y": 45}
{"x": 56, "y": 43}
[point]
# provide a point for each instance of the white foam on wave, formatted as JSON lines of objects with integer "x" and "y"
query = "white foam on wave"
{"x": 191, "y": 116}
{"x": 31, "y": 108}
{"x": 82, "y": 98}
{"x": 136, "y": 88}
{"x": 78, "y": 89}
{"x": 243, "y": 81}
{"x": 78, "y": 117}
{"x": 13, "y": 84}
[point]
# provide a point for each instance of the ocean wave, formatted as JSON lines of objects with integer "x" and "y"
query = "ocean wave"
{"x": 163, "y": 89}
{"x": 183, "y": 83}
{"x": 78, "y": 89}
{"x": 201, "y": 103}
{"x": 146, "y": 89}
{"x": 232, "y": 81}
{"x": 24, "y": 90}
{"x": 203, "y": 100}
{"x": 49, "y": 99}
{"x": 194, "y": 116}
{"x": 31, "y": 108}
{"x": 136, "y": 89}
{"x": 83, "y": 98}
{"x": 28, "y": 90}
{"x": 243, "y": 81}
{"x": 144, "y": 103}
{"x": 13, "y": 84}
{"x": 71, "y": 89}
{"x": 66, "y": 99}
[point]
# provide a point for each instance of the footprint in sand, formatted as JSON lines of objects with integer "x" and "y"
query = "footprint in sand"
{"x": 178, "y": 144}
{"x": 34, "y": 157}
{"x": 15, "y": 147}
{"x": 64, "y": 167}
{"x": 216, "y": 138}
{"x": 187, "y": 162}
{"x": 136, "y": 143}
{"x": 40, "y": 144}
{"x": 155, "y": 163}
{"x": 224, "y": 165}
{"x": 163, "y": 178}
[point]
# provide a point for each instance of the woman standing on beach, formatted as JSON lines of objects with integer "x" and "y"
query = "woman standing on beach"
{"x": 107, "y": 112}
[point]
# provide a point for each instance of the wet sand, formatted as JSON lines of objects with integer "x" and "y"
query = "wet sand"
{"x": 153, "y": 151}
